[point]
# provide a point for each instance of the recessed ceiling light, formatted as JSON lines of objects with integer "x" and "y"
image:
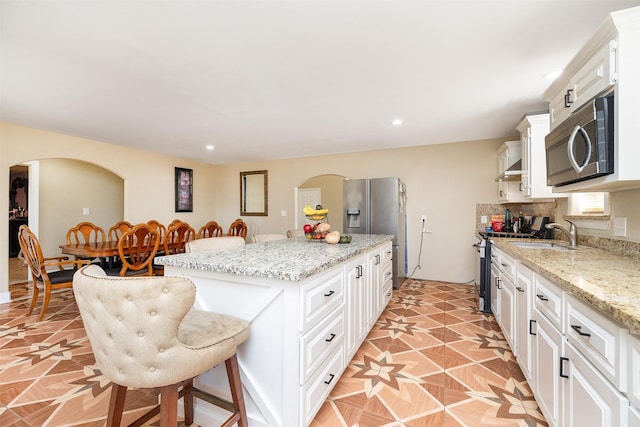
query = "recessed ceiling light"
{"x": 397, "y": 122}
{"x": 553, "y": 75}
{"x": 210, "y": 147}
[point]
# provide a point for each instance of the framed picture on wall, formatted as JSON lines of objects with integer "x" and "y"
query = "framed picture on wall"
{"x": 184, "y": 190}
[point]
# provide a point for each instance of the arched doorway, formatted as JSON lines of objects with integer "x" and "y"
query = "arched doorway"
{"x": 328, "y": 189}
{"x": 62, "y": 193}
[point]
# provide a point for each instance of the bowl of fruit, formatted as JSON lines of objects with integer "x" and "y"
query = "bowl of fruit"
{"x": 316, "y": 232}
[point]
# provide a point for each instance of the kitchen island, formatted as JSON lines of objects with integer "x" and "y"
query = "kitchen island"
{"x": 310, "y": 305}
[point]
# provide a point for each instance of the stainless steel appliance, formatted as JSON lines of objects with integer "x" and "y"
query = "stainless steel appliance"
{"x": 581, "y": 147}
{"x": 377, "y": 206}
{"x": 536, "y": 229}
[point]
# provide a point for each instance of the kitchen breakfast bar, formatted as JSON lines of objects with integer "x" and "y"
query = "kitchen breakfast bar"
{"x": 310, "y": 305}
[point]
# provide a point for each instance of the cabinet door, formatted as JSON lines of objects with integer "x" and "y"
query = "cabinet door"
{"x": 507, "y": 302}
{"x": 594, "y": 77}
{"x": 356, "y": 302}
{"x": 548, "y": 350}
{"x": 522, "y": 333}
{"x": 375, "y": 289}
{"x": 589, "y": 399}
{"x": 495, "y": 291}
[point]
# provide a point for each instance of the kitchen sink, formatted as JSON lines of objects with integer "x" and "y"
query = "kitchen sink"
{"x": 541, "y": 245}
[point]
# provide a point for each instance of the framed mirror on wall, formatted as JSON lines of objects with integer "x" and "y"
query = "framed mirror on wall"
{"x": 254, "y": 193}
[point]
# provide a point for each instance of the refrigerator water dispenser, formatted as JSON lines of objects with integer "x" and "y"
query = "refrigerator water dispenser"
{"x": 353, "y": 218}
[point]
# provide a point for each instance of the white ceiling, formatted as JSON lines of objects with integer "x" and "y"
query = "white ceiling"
{"x": 283, "y": 79}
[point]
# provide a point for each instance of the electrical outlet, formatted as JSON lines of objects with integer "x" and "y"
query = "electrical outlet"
{"x": 423, "y": 218}
{"x": 483, "y": 219}
{"x": 283, "y": 213}
{"x": 620, "y": 227}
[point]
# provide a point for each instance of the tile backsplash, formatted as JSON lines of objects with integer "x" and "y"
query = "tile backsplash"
{"x": 532, "y": 209}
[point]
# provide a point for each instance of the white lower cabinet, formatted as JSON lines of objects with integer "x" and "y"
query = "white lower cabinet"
{"x": 548, "y": 350}
{"x": 589, "y": 399}
{"x": 582, "y": 366}
{"x": 524, "y": 322}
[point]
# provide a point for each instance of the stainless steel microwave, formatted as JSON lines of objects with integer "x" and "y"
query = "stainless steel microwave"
{"x": 581, "y": 147}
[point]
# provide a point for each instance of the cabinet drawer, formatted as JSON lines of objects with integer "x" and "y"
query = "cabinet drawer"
{"x": 319, "y": 299}
{"x": 634, "y": 372}
{"x": 319, "y": 342}
{"x": 548, "y": 301}
{"x": 599, "y": 339}
{"x": 387, "y": 254}
{"x": 387, "y": 274}
{"x": 318, "y": 388}
{"x": 507, "y": 266}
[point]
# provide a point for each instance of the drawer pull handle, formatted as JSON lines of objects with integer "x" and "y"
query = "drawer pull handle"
{"x": 330, "y": 293}
{"x": 330, "y": 339}
{"x": 388, "y": 273}
{"x": 519, "y": 289}
{"x": 562, "y": 360}
{"x": 578, "y": 329}
{"x": 542, "y": 297}
{"x": 531, "y": 322}
{"x": 504, "y": 265}
{"x": 498, "y": 282}
{"x": 330, "y": 379}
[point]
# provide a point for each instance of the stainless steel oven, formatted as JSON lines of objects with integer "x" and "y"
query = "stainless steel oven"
{"x": 536, "y": 229}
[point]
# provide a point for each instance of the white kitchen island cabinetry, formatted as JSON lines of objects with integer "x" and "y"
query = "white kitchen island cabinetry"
{"x": 307, "y": 311}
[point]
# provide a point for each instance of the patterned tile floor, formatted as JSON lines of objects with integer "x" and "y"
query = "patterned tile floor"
{"x": 431, "y": 360}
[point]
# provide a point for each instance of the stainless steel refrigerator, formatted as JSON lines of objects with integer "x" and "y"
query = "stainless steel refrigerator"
{"x": 377, "y": 206}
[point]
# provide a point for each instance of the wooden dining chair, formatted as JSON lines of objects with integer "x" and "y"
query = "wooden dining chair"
{"x": 85, "y": 232}
{"x": 157, "y": 225}
{"x": 44, "y": 280}
{"x": 238, "y": 228}
{"x": 118, "y": 229}
{"x": 137, "y": 247}
{"x": 178, "y": 234}
{"x": 210, "y": 229}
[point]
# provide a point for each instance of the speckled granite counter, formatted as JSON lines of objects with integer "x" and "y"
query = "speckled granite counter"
{"x": 291, "y": 259}
{"x": 609, "y": 282}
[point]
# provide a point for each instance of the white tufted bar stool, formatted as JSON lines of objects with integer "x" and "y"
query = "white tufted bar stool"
{"x": 145, "y": 334}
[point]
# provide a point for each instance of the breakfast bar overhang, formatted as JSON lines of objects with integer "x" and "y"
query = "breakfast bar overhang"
{"x": 310, "y": 305}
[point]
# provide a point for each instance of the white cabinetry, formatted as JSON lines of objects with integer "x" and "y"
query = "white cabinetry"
{"x": 505, "y": 302}
{"x": 608, "y": 61}
{"x": 357, "y": 303}
{"x": 303, "y": 334}
{"x": 583, "y": 367}
{"x": 548, "y": 350}
{"x": 509, "y": 184}
{"x": 523, "y": 338}
{"x": 533, "y": 129}
{"x": 595, "y": 76}
{"x": 634, "y": 372}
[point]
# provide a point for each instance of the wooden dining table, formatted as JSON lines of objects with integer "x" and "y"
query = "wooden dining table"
{"x": 107, "y": 251}
{"x": 92, "y": 250}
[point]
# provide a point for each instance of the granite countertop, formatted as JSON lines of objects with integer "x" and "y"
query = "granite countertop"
{"x": 605, "y": 280}
{"x": 292, "y": 259}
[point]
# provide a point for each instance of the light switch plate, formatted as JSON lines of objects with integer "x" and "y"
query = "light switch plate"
{"x": 86, "y": 211}
{"x": 283, "y": 213}
{"x": 620, "y": 227}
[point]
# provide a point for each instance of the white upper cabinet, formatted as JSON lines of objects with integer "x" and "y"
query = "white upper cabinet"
{"x": 533, "y": 128}
{"x": 609, "y": 61}
{"x": 509, "y": 185}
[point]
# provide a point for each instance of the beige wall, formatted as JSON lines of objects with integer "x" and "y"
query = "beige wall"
{"x": 69, "y": 186}
{"x": 148, "y": 177}
{"x": 444, "y": 182}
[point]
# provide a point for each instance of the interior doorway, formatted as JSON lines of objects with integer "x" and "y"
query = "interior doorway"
{"x": 18, "y": 215}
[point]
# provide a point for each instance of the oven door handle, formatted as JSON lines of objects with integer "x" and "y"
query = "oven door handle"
{"x": 572, "y": 158}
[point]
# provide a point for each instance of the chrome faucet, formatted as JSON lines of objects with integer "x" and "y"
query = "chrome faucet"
{"x": 571, "y": 233}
